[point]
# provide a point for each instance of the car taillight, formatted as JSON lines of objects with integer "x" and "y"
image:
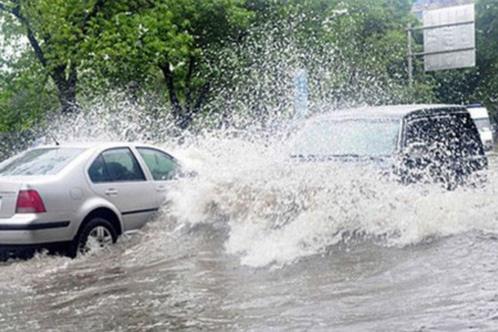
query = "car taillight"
{"x": 29, "y": 201}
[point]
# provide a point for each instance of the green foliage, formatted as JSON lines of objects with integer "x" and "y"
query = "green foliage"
{"x": 131, "y": 43}
{"x": 193, "y": 51}
{"x": 487, "y": 38}
{"x": 106, "y": 45}
{"x": 25, "y": 96}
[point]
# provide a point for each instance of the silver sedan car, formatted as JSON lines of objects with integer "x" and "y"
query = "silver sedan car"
{"x": 72, "y": 198}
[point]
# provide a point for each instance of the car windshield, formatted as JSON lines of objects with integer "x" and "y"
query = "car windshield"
{"x": 348, "y": 137}
{"x": 43, "y": 161}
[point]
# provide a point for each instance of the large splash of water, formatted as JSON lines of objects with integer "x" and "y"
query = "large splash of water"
{"x": 278, "y": 210}
{"x": 275, "y": 210}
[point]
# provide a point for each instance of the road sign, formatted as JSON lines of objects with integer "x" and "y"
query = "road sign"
{"x": 449, "y": 38}
{"x": 301, "y": 93}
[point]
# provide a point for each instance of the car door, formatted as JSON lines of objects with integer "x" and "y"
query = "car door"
{"x": 162, "y": 167}
{"x": 117, "y": 176}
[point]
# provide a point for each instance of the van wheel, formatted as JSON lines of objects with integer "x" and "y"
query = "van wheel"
{"x": 96, "y": 234}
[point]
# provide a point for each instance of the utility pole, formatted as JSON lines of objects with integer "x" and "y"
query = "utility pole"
{"x": 410, "y": 56}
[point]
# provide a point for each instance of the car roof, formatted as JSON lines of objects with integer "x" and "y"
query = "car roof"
{"x": 388, "y": 111}
{"x": 94, "y": 145}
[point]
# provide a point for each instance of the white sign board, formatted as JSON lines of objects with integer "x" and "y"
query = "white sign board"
{"x": 453, "y": 42}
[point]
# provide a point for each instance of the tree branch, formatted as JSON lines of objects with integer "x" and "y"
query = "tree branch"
{"x": 3, "y": 7}
{"x": 16, "y": 11}
{"x": 36, "y": 47}
{"x": 66, "y": 86}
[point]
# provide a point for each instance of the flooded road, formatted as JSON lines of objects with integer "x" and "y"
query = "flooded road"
{"x": 270, "y": 245}
{"x": 449, "y": 284}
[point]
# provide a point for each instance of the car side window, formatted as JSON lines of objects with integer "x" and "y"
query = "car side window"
{"x": 161, "y": 165}
{"x": 116, "y": 165}
{"x": 98, "y": 171}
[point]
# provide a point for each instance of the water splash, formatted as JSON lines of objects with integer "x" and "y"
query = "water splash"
{"x": 275, "y": 210}
{"x": 279, "y": 211}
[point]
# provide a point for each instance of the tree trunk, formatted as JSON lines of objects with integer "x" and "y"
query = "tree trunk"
{"x": 183, "y": 114}
{"x": 177, "y": 109}
{"x": 66, "y": 88}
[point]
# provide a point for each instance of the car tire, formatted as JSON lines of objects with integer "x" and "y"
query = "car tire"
{"x": 96, "y": 233}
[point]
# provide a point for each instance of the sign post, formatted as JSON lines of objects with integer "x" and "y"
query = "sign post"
{"x": 449, "y": 39}
{"x": 410, "y": 56}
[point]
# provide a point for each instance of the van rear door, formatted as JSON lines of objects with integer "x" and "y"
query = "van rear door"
{"x": 454, "y": 132}
{"x": 443, "y": 145}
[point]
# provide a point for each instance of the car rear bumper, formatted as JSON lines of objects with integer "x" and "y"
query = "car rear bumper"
{"x": 32, "y": 229}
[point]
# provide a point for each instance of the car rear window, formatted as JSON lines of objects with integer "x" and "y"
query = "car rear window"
{"x": 43, "y": 161}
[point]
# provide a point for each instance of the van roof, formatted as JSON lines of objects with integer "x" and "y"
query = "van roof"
{"x": 388, "y": 111}
{"x": 478, "y": 112}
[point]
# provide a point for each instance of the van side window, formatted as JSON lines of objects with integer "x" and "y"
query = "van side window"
{"x": 116, "y": 165}
{"x": 161, "y": 165}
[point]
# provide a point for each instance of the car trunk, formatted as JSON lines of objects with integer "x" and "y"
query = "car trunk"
{"x": 9, "y": 191}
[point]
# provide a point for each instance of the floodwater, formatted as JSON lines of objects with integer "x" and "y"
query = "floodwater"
{"x": 257, "y": 243}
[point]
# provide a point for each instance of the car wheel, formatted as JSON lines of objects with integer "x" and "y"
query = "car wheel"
{"x": 96, "y": 234}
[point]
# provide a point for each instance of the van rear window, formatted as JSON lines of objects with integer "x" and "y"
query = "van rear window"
{"x": 456, "y": 133}
{"x": 43, "y": 161}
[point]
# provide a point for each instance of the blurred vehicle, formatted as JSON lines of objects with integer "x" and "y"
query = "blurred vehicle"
{"x": 480, "y": 116}
{"x": 72, "y": 198}
{"x": 429, "y": 143}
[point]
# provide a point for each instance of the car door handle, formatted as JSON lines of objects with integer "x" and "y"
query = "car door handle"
{"x": 161, "y": 188}
{"x": 111, "y": 192}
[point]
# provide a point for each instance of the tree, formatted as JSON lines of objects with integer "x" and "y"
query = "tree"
{"x": 172, "y": 37}
{"x": 55, "y": 30}
{"x": 25, "y": 96}
{"x": 487, "y": 60}
{"x": 354, "y": 51}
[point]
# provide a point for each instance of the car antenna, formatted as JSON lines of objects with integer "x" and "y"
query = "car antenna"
{"x": 53, "y": 138}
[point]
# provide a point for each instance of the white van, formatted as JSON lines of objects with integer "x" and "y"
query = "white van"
{"x": 480, "y": 116}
